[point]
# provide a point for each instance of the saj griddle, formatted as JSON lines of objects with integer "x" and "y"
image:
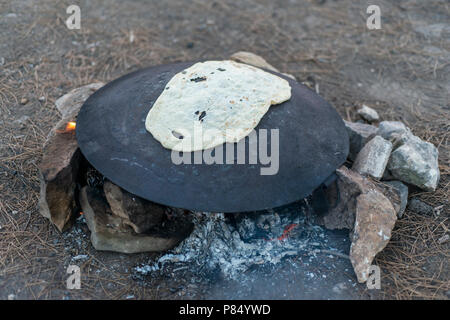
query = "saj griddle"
{"x": 111, "y": 134}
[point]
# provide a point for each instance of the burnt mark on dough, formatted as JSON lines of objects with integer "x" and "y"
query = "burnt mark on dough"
{"x": 198, "y": 79}
{"x": 201, "y": 116}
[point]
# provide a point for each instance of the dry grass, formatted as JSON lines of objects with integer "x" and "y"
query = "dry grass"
{"x": 415, "y": 265}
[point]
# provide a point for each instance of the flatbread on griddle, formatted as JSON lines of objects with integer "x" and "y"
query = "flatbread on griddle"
{"x": 213, "y": 102}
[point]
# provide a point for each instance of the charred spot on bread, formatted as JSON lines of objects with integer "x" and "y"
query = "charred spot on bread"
{"x": 198, "y": 79}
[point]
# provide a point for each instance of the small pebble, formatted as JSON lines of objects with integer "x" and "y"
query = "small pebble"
{"x": 368, "y": 114}
{"x": 23, "y": 101}
{"x": 443, "y": 239}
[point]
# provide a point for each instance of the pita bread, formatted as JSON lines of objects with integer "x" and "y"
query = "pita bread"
{"x": 213, "y": 102}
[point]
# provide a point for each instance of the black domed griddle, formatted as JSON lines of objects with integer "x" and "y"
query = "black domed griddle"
{"x": 111, "y": 133}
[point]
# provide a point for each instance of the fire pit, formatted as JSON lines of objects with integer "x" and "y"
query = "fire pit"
{"x": 121, "y": 173}
{"x": 111, "y": 134}
{"x": 227, "y": 215}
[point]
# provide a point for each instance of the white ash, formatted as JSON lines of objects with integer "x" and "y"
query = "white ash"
{"x": 235, "y": 243}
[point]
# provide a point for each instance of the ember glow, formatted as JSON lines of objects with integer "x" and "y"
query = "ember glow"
{"x": 286, "y": 231}
{"x": 71, "y": 125}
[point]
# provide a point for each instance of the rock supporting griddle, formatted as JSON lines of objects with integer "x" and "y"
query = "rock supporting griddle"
{"x": 109, "y": 232}
{"x": 136, "y": 212}
{"x": 58, "y": 170}
{"x": 375, "y": 219}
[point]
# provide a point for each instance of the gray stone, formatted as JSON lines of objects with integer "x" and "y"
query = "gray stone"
{"x": 413, "y": 160}
{"x": 402, "y": 192}
{"x": 294, "y": 78}
{"x": 58, "y": 170}
{"x": 368, "y": 113}
{"x": 373, "y": 157}
{"x": 375, "y": 219}
{"x": 359, "y": 134}
{"x": 416, "y": 162}
{"x": 420, "y": 207}
{"x": 69, "y": 104}
{"x": 433, "y": 30}
{"x": 138, "y": 213}
{"x": 362, "y": 208}
{"x": 109, "y": 233}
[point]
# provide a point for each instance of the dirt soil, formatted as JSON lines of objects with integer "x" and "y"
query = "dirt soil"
{"x": 402, "y": 71}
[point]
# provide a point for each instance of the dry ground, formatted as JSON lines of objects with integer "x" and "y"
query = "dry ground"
{"x": 401, "y": 70}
